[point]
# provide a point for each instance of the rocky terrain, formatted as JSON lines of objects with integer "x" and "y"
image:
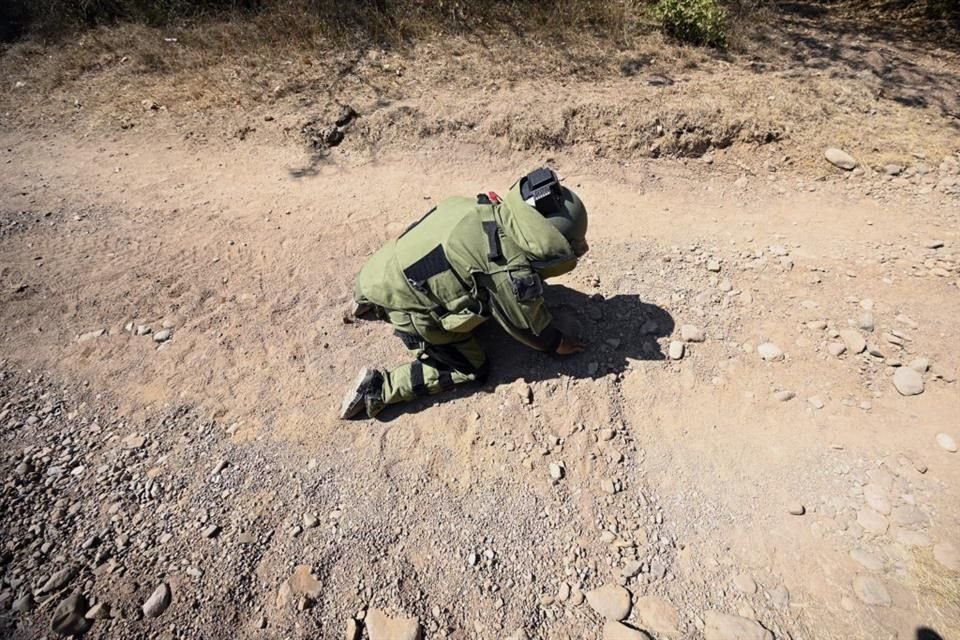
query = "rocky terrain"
{"x": 759, "y": 442}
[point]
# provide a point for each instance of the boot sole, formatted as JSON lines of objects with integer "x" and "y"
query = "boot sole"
{"x": 353, "y": 403}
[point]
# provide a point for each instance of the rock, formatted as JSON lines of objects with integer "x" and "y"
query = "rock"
{"x": 920, "y": 365}
{"x": 910, "y": 538}
{"x": 90, "y": 335}
{"x": 691, "y": 333}
{"x": 948, "y": 555}
{"x": 211, "y": 531}
{"x": 607, "y": 485}
{"x": 837, "y": 349}
{"x": 866, "y": 322}
{"x": 347, "y": 115}
{"x": 163, "y": 335}
{"x": 744, "y": 584}
{"x": 99, "y": 611}
{"x": 892, "y": 169}
{"x": 853, "y": 340}
{"x": 158, "y": 601}
{"x": 556, "y": 471}
{"x": 59, "y": 580}
{"x": 353, "y": 630}
{"x": 134, "y": 441}
{"x": 840, "y": 159}
{"x": 310, "y": 521}
{"x": 784, "y": 396}
{"x": 657, "y": 615}
{"x": 713, "y": 265}
{"x": 23, "y": 604}
{"x": 871, "y": 591}
{"x": 722, "y": 626}
{"x": 68, "y": 618}
{"x": 876, "y": 498}
{"x": 817, "y": 325}
{"x": 872, "y": 522}
{"x": 770, "y": 352}
{"x": 611, "y": 601}
{"x": 613, "y": 630}
{"x": 796, "y": 509}
{"x": 946, "y": 442}
{"x": 143, "y": 330}
{"x": 934, "y": 244}
{"x": 676, "y": 350}
{"x": 866, "y": 559}
{"x": 908, "y": 515}
{"x": 779, "y": 597}
{"x": 381, "y": 627}
{"x": 908, "y": 382}
{"x": 815, "y": 402}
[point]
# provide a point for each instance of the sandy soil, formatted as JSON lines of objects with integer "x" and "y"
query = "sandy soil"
{"x": 679, "y": 475}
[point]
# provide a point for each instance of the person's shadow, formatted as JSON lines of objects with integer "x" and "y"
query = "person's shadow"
{"x": 616, "y": 330}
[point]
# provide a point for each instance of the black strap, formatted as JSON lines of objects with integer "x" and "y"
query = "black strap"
{"x": 416, "y": 377}
{"x": 446, "y": 380}
{"x": 494, "y": 252}
{"x": 410, "y": 228}
{"x": 434, "y": 263}
{"x": 483, "y": 199}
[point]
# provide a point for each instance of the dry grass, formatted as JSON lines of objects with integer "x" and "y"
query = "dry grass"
{"x": 938, "y": 591}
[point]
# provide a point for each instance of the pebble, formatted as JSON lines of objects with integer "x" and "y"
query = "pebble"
{"x": 99, "y": 611}
{"x": 817, "y": 325}
{"x": 920, "y": 365}
{"x": 90, "y": 335}
{"x": 815, "y": 402}
{"x": 770, "y": 352}
{"x": 692, "y": 333}
{"x": 657, "y": 615}
{"x": 143, "y": 330}
{"x": 23, "y": 604}
{"x": 840, "y": 159}
{"x": 611, "y": 601}
{"x": 713, "y": 265}
{"x": 946, "y": 442}
{"x": 784, "y": 396}
{"x": 676, "y": 350}
{"x": 68, "y": 618}
{"x": 310, "y": 520}
{"x": 158, "y": 601}
{"x": 796, "y": 509}
{"x": 948, "y": 555}
{"x": 59, "y": 580}
{"x": 908, "y": 382}
{"x": 607, "y": 485}
{"x": 853, "y": 340}
{"x": 352, "y": 631}
{"x": 211, "y": 531}
{"x": 134, "y": 441}
{"x": 866, "y": 322}
{"x": 744, "y": 583}
{"x": 871, "y": 591}
{"x": 162, "y": 335}
{"x": 556, "y": 471}
{"x": 837, "y": 349}
{"x": 382, "y": 627}
{"x": 722, "y": 626}
{"x": 613, "y": 630}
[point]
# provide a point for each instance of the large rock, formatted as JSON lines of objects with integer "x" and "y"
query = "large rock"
{"x": 59, "y": 580}
{"x": 722, "y": 626}
{"x": 908, "y": 382}
{"x": 158, "y": 601}
{"x": 613, "y": 630}
{"x": 382, "y": 627}
{"x": 657, "y": 614}
{"x": 611, "y": 601}
{"x": 68, "y": 618}
{"x": 840, "y": 159}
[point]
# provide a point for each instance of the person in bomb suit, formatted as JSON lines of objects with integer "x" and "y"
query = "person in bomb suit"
{"x": 465, "y": 261}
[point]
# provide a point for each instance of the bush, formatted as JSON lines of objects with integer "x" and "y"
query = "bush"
{"x": 700, "y": 22}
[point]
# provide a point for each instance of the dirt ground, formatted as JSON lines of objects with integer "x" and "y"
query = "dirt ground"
{"x": 791, "y": 485}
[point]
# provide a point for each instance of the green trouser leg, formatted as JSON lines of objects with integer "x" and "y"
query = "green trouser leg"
{"x": 437, "y": 368}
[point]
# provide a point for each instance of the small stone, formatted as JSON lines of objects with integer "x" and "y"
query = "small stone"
{"x": 908, "y": 382}
{"x": 722, "y": 626}
{"x": 163, "y": 335}
{"x": 784, "y": 396}
{"x": 920, "y": 365}
{"x": 871, "y": 591}
{"x": 853, "y": 340}
{"x": 381, "y": 627}
{"x": 713, "y": 265}
{"x": 745, "y": 584}
{"x": 59, "y": 580}
{"x": 676, "y": 350}
{"x": 908, "y": 515}
{"x": 556, "y": 471}
{"x": 866, "y": 559}
{"x": 134, "y": 441}
{"x": 796, "y": 509}
{"x": 815, "y": 402}
{"x": 948, "y": 555}
{"x": 68, "y": 618}
{"x": 143, "y": 330}
{"x": 353, "y": 630}
{"x": 946, "y": 442}
{"x": 876, "y": 498}
{"x": 563, "y": 592}
{"x": 211, "y": 531}
{"x": 611, "y": 601}
{"x": 23, "y": 604}
{"x": 158, "y": 601}
{"x": 303, "y": 583}
{"x": 866, "y": 322}
{"x": 691, "y": 333}
{"x": 934, "y": 244}
{"x": 605, "y": 435}
{"x": 817, "y": 325}
{"x": 90, "y": 335}
{"x": 770, "y": 352}
{"x": 607, "y": 485}
{"x": 840, "y": 159}
{"x": 872, "y": 522}
{"x": 657, "y": 615}
{"x": 613, "y": 630}
{"x": 892, "y": 169}
{"x": 837, "y": 349}
{"x": 310, "y": 520}
{"x": 99, "y": 611}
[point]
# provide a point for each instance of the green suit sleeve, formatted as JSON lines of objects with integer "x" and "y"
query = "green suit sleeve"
{"x": 525, "y": 318}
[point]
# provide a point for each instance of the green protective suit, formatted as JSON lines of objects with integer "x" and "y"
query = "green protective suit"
{"x": 467, "y": 260}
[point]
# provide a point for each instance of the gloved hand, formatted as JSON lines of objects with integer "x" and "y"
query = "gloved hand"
{"x": 569, "y": 346}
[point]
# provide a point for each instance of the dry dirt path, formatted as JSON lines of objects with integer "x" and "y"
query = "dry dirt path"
{"x": 679, "y": 476}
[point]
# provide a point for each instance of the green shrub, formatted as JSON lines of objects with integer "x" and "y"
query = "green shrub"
{"x": 700, "y": 22}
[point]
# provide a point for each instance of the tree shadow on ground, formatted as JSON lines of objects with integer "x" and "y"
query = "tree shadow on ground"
{"x": 835, "y": 39}
{"x": 617, "y": 330}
